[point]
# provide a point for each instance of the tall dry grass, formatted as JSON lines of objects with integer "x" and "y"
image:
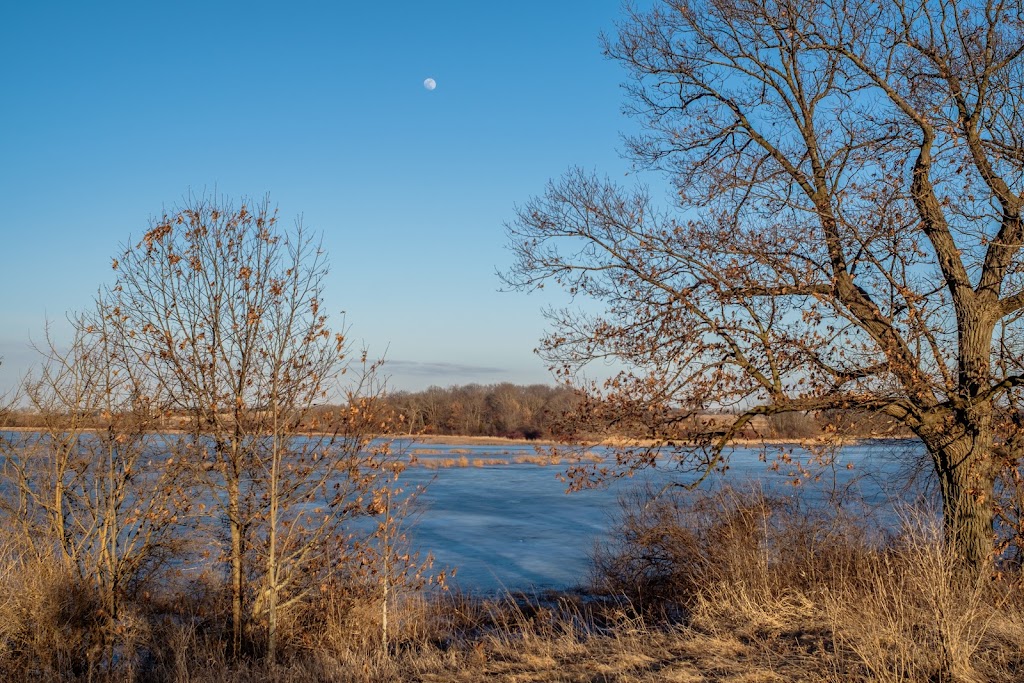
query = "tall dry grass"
{"x": 913, "y": 614}
{"x": 817, "y": 587}
{"x": 53, "y": 625}
{"x": 736, "y": 586}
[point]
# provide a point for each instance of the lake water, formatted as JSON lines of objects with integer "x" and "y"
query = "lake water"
{"x": 513, "y": 526}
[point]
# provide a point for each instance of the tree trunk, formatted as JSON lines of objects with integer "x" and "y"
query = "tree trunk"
{"x": 964, "y": 461}
{"x": 233, "y": 474}
{"x": 237, "y": 549}
{"x": 966, "y": 481}
{"x": 272, "y": 564}
{"x": 272, "y": 623}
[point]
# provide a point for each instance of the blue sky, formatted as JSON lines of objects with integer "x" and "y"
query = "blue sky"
{"x": 112, "y": 111}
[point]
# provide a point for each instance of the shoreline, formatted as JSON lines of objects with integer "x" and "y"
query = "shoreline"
{"x": 609, "y": 442}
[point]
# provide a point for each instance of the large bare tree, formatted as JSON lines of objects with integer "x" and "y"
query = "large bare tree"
{"x": 846, "y": 232}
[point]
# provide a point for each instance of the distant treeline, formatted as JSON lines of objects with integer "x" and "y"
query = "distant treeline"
{"x": 509, "y": 410}
{"x": 506, "y": 410}
{"x": 540, "y": 411}
{"x": 537, "y": 411}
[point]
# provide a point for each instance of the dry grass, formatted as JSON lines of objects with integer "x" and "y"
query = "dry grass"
{"x": 459, "y": 440}
{"x": 912, "y": 616}
{"x": 737, "y": 588}
{"x": 420, "y": 458}
{"x": 442, "y": 463}
{"x": 812, "y": 595}
{"x": 541, "y": 460}
{"x": 485, "y": 462}
{"x": 435, "y": 463}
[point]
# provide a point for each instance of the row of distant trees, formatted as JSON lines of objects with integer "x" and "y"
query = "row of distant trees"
{"x": 542, "y": 411}
{"x": 536, "y": 411}
{"x": 508, "y": 410}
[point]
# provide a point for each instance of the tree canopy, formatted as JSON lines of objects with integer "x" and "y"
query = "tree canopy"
{"x": 845, "y": 230}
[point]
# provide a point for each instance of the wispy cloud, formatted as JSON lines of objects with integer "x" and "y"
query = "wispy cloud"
{"x": 421, "y": 369}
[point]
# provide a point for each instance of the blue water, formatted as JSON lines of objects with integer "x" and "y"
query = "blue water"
{"x": 515, "y": 527}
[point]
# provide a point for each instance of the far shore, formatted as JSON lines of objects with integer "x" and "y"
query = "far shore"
{"x": 456, "y": 440}
{"x": 460, "y": 440}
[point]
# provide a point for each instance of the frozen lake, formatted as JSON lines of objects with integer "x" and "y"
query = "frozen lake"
{"x": 513, "y": 526}
{"x": 505, "y": 524}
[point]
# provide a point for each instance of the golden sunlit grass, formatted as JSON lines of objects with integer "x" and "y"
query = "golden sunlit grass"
{"x": 426, "y": 458}
{"x": 416, "y": 452}
{"x": 485, "y": 462}
{"x": 462, "y": 440}
{"x": 436, "y": 463}
{"x": 542, "y": 460}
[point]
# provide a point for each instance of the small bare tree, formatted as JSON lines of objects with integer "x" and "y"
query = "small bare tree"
{"x": 223, "y": 309}
{"x": 91, "y": 488}
{"x": 848, "y": 177}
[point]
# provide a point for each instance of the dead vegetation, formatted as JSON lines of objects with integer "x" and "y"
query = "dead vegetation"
{"x": 732, "y": 587}
{"x": 805, "y": 594}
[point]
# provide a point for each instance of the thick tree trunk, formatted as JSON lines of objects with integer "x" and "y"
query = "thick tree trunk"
{"x": 961, "y": 444}
{"x": 966, "y": 482}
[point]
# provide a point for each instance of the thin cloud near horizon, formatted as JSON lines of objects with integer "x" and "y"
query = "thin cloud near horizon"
{"x": 440, "y": 368}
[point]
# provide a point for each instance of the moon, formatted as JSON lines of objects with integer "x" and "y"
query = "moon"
{"x": 430, "y": 84}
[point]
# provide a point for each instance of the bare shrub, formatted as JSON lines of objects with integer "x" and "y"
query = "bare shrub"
{"x": 93, "y": 508}
{"x": 673, "y": 548}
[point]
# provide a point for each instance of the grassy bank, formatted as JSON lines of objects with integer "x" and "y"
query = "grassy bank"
{"x": 726, "y": 588}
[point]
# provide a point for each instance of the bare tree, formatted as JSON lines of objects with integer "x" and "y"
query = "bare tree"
{"x": 90, "y": 489}
{"x": 223, "y": 309}
{"x": 846, "y": 235}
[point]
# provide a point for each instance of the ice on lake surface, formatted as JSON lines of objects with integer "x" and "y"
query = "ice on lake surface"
{"x": 514, "y": 527}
